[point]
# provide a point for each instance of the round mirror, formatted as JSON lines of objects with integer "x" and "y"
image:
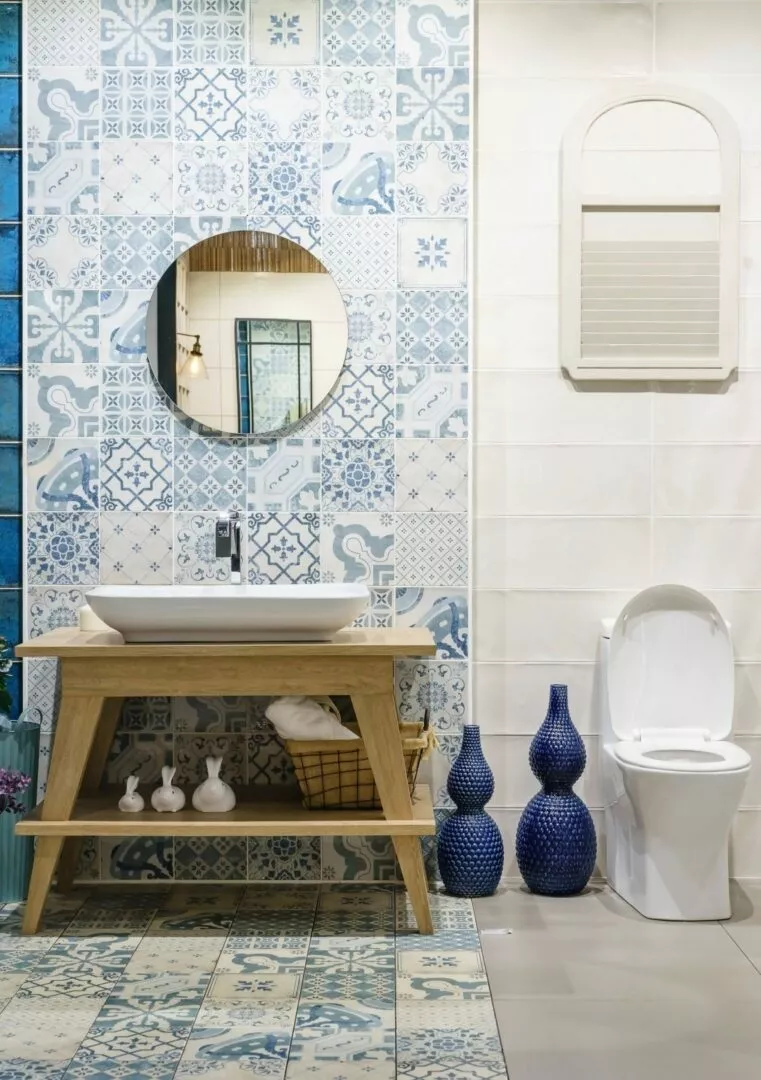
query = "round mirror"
{"x": 247, "y": 332}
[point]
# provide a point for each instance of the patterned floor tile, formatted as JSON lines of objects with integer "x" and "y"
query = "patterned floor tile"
{"x": 264, "y": 987}
{"x": 195, "y": 560}
{"x": 63, "y": 326}
{"x": 135, "y": 251}
{"x": 210, "y": 178}
{"x": 284, "y": 104}
{"x": 283, "y": 858}
{"x": 333, "y": 1034}
{"x": 358, "y": 33}
{"x": 432, "y": 326}
{"x": 357, "y": 474}
{"x": 285, "y": 35}
{"x": 438, "y": 686}
{"x": 136, "y": 177}
{"x": 63, "y": 252}
{"x": 63, "y": 103}
{"x": 431, "y": 549}
{"x": 358, "y": 548}
{"x": 63, "y": 177}
{"x": 284, "y": 475}
{"x": 345, "y": 969}
{"x": 434, "y": 976}
{"x": 238, "y": 1041}
{"x": 432, "y": 402}
{"x": 438, "y": 36}
{"x": 62, "y": 474}
{"x": 130, "y": 402}
{"x": 210, "y": 32}
{"x": 433, "y": 252}
{"x": 62, "y": 401}
{"x": 447, "y": 1031}
{"x": 283, "y": 548}
{"x": 359, "y": 858}
{"x": 136, "y": 474}
{"x": 137, "y": 103}
{"x": 210, "y": 473}
{"x": 432, "y": 179}
{"x": 361, "y": 404}
{"x": 63, "y": 549}
{"x": 60, "y": 33}
{"x": 136, "y": 548}
{"x": 210, "y": 103}
{"x": 136, "y": 33}
{"x": 443, "y": 611}
{"x": 360, "y": 252}
{"x": 432, "y": 104}
{"x": 432, "y": 474}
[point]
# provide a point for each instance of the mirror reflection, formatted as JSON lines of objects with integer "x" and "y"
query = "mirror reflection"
{"x": 247, "y": 332}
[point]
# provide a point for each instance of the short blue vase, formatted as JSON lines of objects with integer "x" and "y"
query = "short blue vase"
{"x": 470, "y": 849}
{"x": 555, "y": 843}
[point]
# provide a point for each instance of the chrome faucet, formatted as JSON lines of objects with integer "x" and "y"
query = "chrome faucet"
{"x": 227, "y": 543}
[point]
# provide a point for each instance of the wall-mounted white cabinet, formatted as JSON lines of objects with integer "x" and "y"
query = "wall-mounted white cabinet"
{"x": 649, "y": 238}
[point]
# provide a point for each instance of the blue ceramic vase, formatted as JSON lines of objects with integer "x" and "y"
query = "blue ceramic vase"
{"x": 556, "y": 844}
{"x": 470, "y": 849}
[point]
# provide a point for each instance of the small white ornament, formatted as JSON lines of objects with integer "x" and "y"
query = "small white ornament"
{"x": 214, "y": 796}
{"x": 131, "y": 802}
{"x": 167, "y": 798}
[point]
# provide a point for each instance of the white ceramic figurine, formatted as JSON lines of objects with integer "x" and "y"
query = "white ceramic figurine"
{"x": 214, "y": 796}
{"x": 167, "y": 798}
{"x": 131, "y": 802}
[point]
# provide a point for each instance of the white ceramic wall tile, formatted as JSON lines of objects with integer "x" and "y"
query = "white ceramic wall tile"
{"x": 742, "y": 609}
{"x": 517, "y": 186}
{"x": 716, "y": 553}
{"x": 719, "y": 37}
{"x": 519, "y": 332}
{"x": 557, "y": 480}
{"x": 710, "y": 415}
{"x": 750, "y": 259}
{"x": 751, "y": 796}
{"x": 565, "y": 39}
{"x": 750, "y": 334}
{"x": 745, "y": 845}
{"x": 544, "y": 408}
{"x": 528, "y": 116}
{"x": 706, "y": 480}
{"x": 747, "y": 720}
{"x": 515, "y": 783}
{"x": 563, "y": 553}
{"x": 544, "y": 626}
{"x": 521, "y": 260}
{"x": 511, "y": 699}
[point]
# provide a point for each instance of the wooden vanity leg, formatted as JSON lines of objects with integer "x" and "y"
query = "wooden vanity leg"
{"x": 379, "y": 727}
{"x": 96, "y": 767}
{"x": 74, "y": 736}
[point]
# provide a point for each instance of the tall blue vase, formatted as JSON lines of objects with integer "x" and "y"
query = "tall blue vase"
{"x": 556, "y": 844}
{"x": 470, "y": 849}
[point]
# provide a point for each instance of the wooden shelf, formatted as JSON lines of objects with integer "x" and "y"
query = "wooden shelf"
{"x": 285, "y": 816}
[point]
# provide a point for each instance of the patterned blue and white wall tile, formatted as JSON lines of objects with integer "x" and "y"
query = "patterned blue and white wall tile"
{"x": 346, "y": 127}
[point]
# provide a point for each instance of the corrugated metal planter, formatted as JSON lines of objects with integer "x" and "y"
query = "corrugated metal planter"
{"x": 19, "y": 749}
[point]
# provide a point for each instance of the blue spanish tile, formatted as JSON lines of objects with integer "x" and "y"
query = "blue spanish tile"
{"x": 10, "y": 405}
{"x": 10, "y": 550}
{"x": 10, "y": 113}
{"x": 10, "y": 185}
{"x": 10, "y": 259}
{"x": 14, "y": 682}
{"x": 10, "y": 479}
{"x": 10, "y": 615}
{"x": 10, "y": 39}
{"x": 10, "y": 332}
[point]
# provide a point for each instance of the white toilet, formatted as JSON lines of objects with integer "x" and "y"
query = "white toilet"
{"x": 671, "y": 779}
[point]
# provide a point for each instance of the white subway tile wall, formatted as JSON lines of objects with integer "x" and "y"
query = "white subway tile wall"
{"x": 582, "y": 497}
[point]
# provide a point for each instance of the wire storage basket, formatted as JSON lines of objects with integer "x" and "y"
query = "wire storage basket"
{"x": 335, "y": 774}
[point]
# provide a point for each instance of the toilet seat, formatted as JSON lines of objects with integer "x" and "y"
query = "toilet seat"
{"x": 682, "y": 755}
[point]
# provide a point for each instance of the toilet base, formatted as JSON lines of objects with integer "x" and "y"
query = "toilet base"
{"x": 662, "y": 883}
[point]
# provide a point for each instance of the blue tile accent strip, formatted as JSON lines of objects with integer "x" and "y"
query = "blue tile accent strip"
{"x": 10, "y": 259}
{"x": 10, "y": 615}
{"x": 10, "y": 332}
{"x": 10, "y": 39}
{"x": 10, "y": 405}
{"x": 10, "y": 479}
{"x": 10, "y": 112}
{"x": 10, "y": 185}
{"x": 10, "y": 550}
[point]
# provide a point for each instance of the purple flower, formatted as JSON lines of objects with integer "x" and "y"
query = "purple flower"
{"x": 12, "y": 782}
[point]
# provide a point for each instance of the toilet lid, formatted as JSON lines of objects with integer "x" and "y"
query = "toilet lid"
{"x": 670, "y": 665}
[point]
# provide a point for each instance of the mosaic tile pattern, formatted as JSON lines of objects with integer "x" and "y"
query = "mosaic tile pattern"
{"x": 344, "y": 126}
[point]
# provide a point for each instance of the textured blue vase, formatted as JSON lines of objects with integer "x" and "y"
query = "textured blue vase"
{"x": 470, "y": 849}
{"x": 556, "y": 844}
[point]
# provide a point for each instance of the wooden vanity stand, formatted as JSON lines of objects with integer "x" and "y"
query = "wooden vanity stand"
{"x": 98, "y": 671}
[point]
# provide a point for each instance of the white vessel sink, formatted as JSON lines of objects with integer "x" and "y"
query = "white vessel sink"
{"x": 228, "y": 612}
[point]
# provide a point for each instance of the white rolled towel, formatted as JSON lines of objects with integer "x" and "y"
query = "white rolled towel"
{"x": 304, "y": 718}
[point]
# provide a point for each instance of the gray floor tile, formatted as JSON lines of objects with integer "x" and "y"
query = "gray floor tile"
{"x": 625, "y": 1040}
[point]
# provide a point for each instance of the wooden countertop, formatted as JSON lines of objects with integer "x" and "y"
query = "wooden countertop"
{"x": 71, "y": 642}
